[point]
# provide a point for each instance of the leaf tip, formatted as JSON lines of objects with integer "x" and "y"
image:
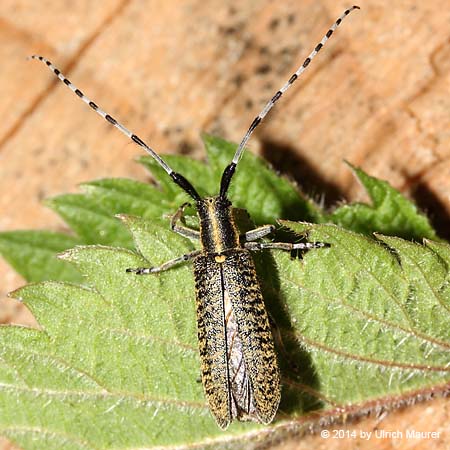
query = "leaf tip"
{"x": 283, "y": 222}
{"x": 122, "y": 217}
{"x": 67, "y": 255}
{"x": 206, "y": 137}
{"x": 127, "y": 219}
{"x": 349, "y": 164}
{"x": 49, "y": 202}
{"x": 15, "y": 295}
{"x": 288, "y": 223}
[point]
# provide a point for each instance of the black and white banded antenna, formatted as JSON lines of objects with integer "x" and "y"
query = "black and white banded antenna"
{"x": 229, "y": 171}
{"x": 177, "y": 178}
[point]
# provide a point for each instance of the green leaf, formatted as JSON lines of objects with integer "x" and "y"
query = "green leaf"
{"x": 390, "y": 213}
{"x": 257, "y": 188}
{"x": 397, "y": 296}
{"x": 115, "y": 367}
{"x": 92, "y": 222}
{"x": 90, "y": 214}
{"x": 116, "y": 364}
{"x": 195, "y": 171}
{"x": 31, "y": 253}
{"x": 120, "y": 195}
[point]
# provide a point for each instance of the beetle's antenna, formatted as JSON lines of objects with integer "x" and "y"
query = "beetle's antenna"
{"x": 229, "y": 170}
{"x": 177, "y": 178}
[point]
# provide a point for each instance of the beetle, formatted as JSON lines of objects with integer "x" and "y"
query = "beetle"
{"x": 239, "y": 367}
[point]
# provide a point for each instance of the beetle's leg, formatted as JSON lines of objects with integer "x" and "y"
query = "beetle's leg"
{"x": 181, "y": 229}
{"x": 258, "y": 233}
{"x": 166, "y": 265}
{"x": 283, "y": 245}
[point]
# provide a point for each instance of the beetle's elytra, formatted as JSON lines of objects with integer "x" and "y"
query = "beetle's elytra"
{"x": 239, "y": 367}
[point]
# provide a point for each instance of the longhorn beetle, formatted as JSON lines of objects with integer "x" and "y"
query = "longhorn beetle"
{"x": 238, "y": 362}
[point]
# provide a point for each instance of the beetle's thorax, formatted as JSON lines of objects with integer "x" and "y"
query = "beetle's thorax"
{"x": 218, "y": 232}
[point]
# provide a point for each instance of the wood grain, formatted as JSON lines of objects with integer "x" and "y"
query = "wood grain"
{"x": 377, "y": 96}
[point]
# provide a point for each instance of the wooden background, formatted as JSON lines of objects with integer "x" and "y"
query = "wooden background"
{"x": 377, "y": 96}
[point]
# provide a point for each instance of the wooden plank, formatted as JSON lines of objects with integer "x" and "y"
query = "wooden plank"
{"x": 377, "y": 96}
